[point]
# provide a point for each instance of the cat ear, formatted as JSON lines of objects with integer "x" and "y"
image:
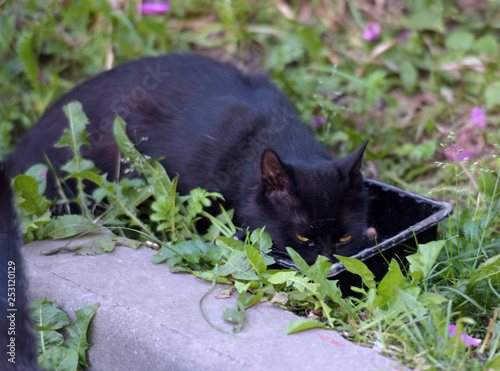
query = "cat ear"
{"x": 352, "y": 163}
{"x": 273, "y": 174}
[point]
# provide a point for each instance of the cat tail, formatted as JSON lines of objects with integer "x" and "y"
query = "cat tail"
{"x": 18, "y": 346}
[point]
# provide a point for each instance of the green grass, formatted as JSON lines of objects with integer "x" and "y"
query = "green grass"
{"x": 406, "y": 91}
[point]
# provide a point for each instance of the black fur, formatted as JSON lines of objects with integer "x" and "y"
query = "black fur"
{"x": 224, "y": 131}
{"x": 17, "y": 339}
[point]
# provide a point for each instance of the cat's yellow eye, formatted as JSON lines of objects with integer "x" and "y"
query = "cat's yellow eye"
{"x": 345, "y": 239}
{"x": 301, "y": 238}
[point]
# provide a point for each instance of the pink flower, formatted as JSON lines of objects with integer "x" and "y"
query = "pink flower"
{"x": 477, "y": 117}
{"x": 468, "y": 340}
{"x": 457, "y": 154}
{"x": 154, "y": 7}
{"x": 403, "y": 36}
{"x": 372, "y": 31}
{"x": 318, "y": 121}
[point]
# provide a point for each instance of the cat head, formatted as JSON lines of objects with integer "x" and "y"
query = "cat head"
{"x": 316, "y": 209}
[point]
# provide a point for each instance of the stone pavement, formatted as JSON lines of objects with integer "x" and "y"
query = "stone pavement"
{"x": 150, "y": 319}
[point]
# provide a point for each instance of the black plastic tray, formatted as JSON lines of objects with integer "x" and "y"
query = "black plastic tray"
{"x": 398, "y": 217}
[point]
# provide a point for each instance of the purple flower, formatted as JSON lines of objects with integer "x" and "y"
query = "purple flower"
{"x": 154, "y": 7}
{"x": 477, "y": 117}
{"x": 457, "y": 154}
{"x": 372, "y": 31}
{"x": 403, "y": 36}
{"x": 468, "y": 340}
{"x": 318, "y": 121}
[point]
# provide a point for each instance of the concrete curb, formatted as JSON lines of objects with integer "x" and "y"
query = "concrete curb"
{"x": 150, "y": 319}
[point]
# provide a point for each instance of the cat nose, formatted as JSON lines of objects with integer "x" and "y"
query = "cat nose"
{"x": 326, "y": 247}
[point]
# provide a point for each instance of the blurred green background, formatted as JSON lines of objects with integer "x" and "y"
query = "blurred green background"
{"x": 403, "y": 73}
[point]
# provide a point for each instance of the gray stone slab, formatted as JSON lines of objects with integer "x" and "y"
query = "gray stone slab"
{"x": 150, "y": 319}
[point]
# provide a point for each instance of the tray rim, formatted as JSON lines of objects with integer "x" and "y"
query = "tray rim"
{"x": 445, "y": 210}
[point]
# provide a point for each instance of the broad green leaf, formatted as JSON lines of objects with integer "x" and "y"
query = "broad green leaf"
{"x": 491, "y": 95}
{"x": 281, "y": 277}
{"x": 238, "y": 266}
{"x": 126, "y": 146}
{"x": 126, "y": 198}
{"x": 293, "y": 278}
{"x": 486, "y": 45}
{"x": 68, "y": 226}
{"x": 89, "y": 175}
{"x": 209, "y": 276}
{"x": 200, "y": 198}
{"x": 30, "y": 225}
{"x": 28, "y": 197}
{"x": 49, "y": 339}
{"x": 358, "y": 267}
{"x": 78, "y": 331}
{"x": 304, "y": 284}
{"x": 39, "y": 172}
{"x": 76, "y": 135}
{"x": 99, "y": 194}
{"x": 242, "y": 286}
{"x": 297, "y": 259}
{"x": 494, "y": 364}
{"x": 312, "y": 41}
{"x": 279, "y": 298}
{"x": 192, "y": 247}
{"x": 227, "y": 245}
{"x": 431, "y": 297}
{"x": 262, "y": 239}
{"x": 409, "y": 77}
{"x": 303, "y": 324}
{"x": 425, "y": 15}
{"x": 47, "y": 317}
{"x": 100, "y": 245}
{"x": 26, "y": 52}
{"x": 164, "y": 211}
{"x": 390, "y": 282}
{"x": 78, "y": 165}
{"x": 426, "y": 256}
{"x": 162, "y": 255}
{"x": 318, "y": 272}
{"x": 236, "y": 316}
{"x": 123, "y": 241}
{"x": 255, "y": 259}
{"x": 153, "y": 171}
{"x": 459, "y": 40}
{"x": 190, "y": 256}
{"x": 232, "y": 315}
{"x": 73, "y": 138}
{"x": 60, "y": 359}
{"x": 254, "y": 299}
{"x": 409, "y": 297}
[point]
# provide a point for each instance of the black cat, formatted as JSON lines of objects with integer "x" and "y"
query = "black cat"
{"x": 223, "y": 131}
{"x": 17, "y": 336}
